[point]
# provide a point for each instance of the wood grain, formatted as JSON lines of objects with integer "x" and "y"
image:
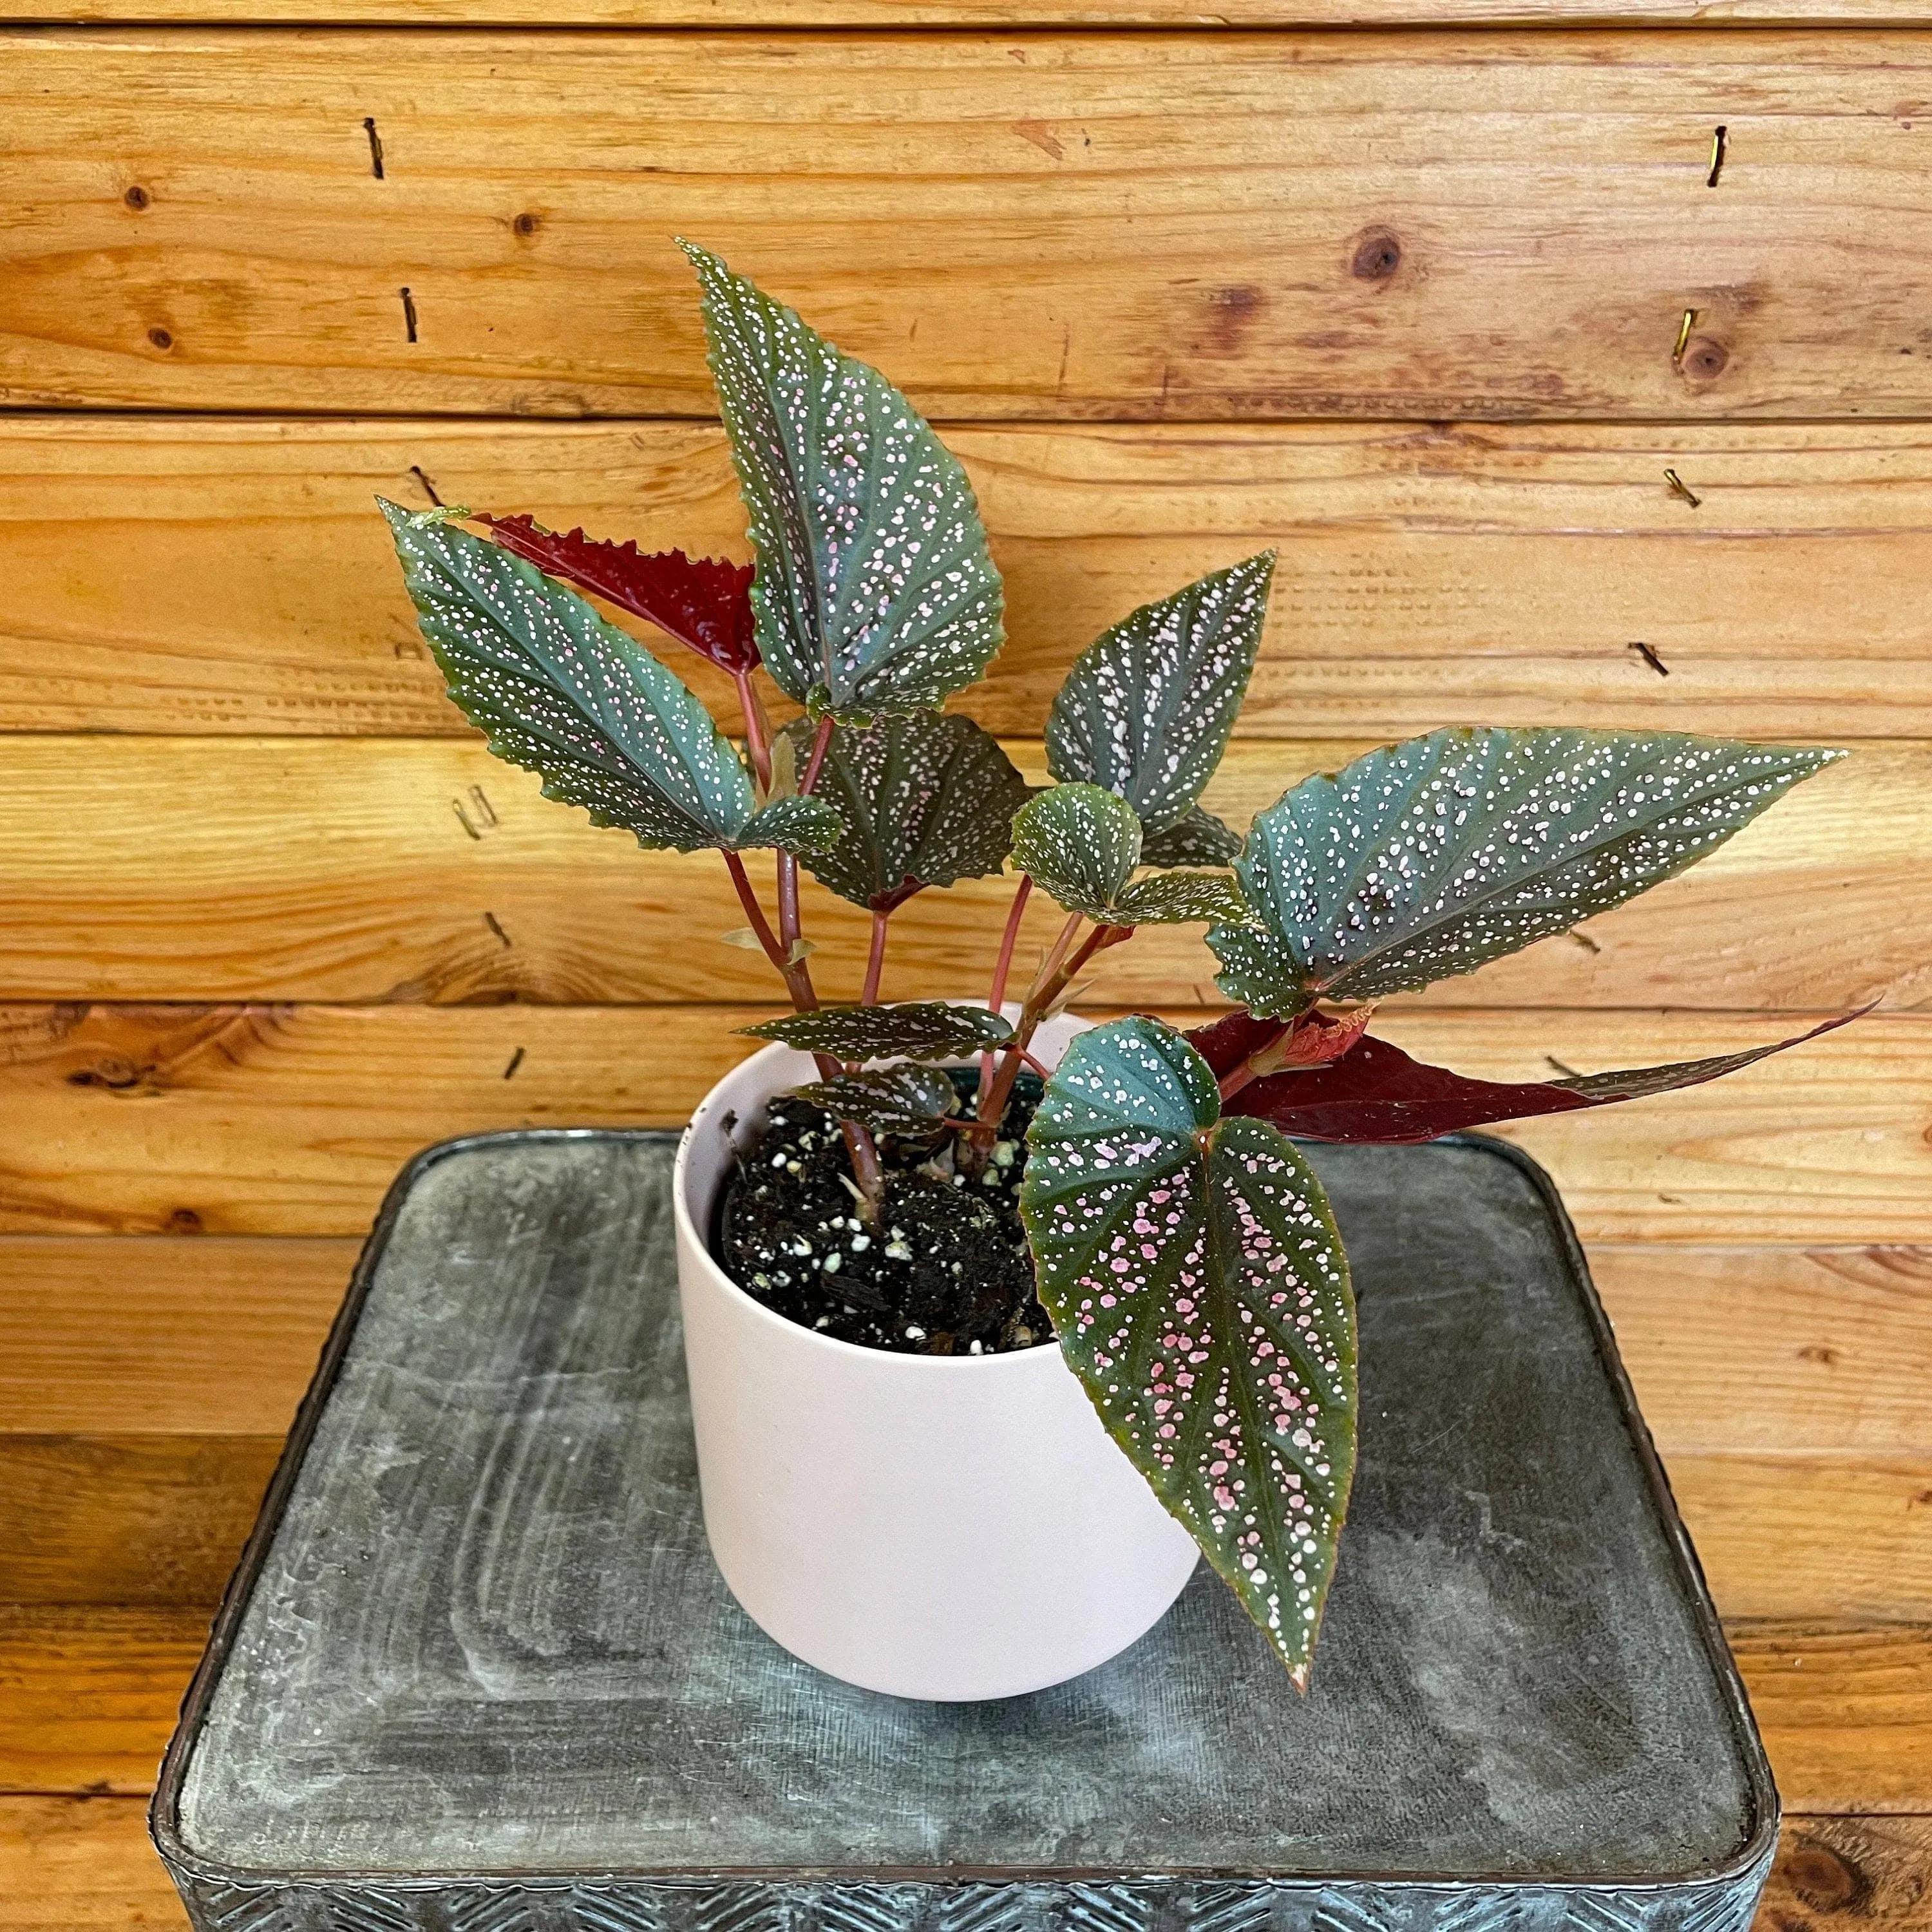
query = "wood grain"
{"x": 205, "y": 575}
{"x": 960, "y": 13}
{"x": 376, "y": 869}
{"x": 1763, "y": 1349}
{"x": 1846, "y": 1713}
{"x": 85, "y": 1865}
{"x": 127, "y": 1518}
{"x": 1184, "y": 226}
{"x": 162, "y": 1337}
{"x": 88, "y": 1695}
{"x": 1774, "y": 1350}
{"x": 294, "y": 1120}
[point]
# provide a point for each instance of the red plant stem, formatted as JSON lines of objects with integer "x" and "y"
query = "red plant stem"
{"x": 875, "y": 961}
{"x": 755, "y": 913}
{"x": 1238, "y": 1076}
{"x": 1056, "y": 974}
{"x": 758, "y": 740}
{"x": 997, "y": 998}
{"x": 821, "y": 745}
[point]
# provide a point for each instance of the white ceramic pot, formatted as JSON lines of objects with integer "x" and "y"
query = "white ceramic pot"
{"x": 949, "y": 1527}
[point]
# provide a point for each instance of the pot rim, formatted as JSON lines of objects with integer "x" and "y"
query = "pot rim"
{"x": 1010, "y": 1361}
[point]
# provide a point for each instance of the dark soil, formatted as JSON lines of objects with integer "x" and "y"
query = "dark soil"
{"x": 945, "y": 1271}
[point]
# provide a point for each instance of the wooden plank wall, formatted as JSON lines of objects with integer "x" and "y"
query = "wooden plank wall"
{"x": 1180, "y": 283}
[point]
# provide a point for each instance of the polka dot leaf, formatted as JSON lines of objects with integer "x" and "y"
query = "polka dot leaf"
{"x": 1146, "y": 710}
{"x": 916, "y": 1030}
{"x": 561, "y": 692}
{"x": 875, "y": 592}
{"x": 1428, "y": 859}
{"x": 1197, "y": 838}
{"x": 1194, "y": 1272}
{"x": 1081, "y": 843}
{"x": 905, "y": 1098}
{"x": 926, "y": 800}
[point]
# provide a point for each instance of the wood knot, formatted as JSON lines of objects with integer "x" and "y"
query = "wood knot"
{"x": 184, "y": 1221}
{"x": 1378, "y": 255}
{"x": 1704, "y": 357}
{"x": 527, "y": 224}
{"x": 137, "y": 198}
{"x": 160, "y": 338}
{"x": 1823, "y": 1877}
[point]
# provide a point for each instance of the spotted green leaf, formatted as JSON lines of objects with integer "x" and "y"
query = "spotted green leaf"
{"x": 1193, "y": 1271}
{"x": 1198, "y": 838}
{"x": 918, "y": 1030}
{"x": 875, "y": 592}
{"x": 905, "y": 1098}
{"x": 926, "y": 800}
{"x": 562, "y": 692}
{"x": 1080, "y": 844}
{"x": 1430, "y": 858}
{"x": 1146, "y": 710}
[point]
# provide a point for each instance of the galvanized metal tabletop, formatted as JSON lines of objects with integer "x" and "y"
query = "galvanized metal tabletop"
{"x": 477, "y": 1670}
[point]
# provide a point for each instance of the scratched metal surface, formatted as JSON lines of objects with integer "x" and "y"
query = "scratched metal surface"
{"x": 487, "y": 1637}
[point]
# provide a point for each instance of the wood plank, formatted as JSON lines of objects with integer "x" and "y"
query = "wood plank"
{"x": 85, "y": 1865}
{"x": 359, "y": 869}
{"x": 1185, "y": 226}
{"x": 197, "y": 575}
{"x": 82, "y": 1865}
{"x": 1822, "y": 1538}
{"x": 88, "y": 1695}
{"x": 1833, "y": 1873}
{"x": 963, "y": 14}
{"x": 266, "y": 1119}
{"x": 162, "y": 1337}
{"x": 1846, "y": 1713}
{"x": 1772, "y": 1350}
{"x": 137, "y": 1520}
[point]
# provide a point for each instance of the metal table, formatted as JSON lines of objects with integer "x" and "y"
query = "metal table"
{"x": 478, "y": 1673}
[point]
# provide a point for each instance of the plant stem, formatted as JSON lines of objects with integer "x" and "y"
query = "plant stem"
{"x": 860, "y": 1148}
{"x": 1057, "y": 972}
{"x": 757, "y": 731}
{"x": 997, "y": 998}
{"x": 1238, "y": 1076}
{"x": 749, "y": 899}
{"x": 875, "y": 961}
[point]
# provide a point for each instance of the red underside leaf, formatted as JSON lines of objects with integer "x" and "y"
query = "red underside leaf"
{"x": 1375, "y": 1092}
{"x": 702, "y": 602}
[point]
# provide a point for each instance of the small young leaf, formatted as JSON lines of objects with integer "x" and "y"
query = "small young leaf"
{"x": 928, "y": 801}
{"x": 564, "y": 693}
{"x": 1080, "y": 843}
{"x": 904, "y": 1099}
{"x": 1179, "y": 898}
{"x": 875, "y": 592}
{"x": 1195, "y": 1277}
{"x": 918, "y": 1030}
{"x": 1375, "y": 1094}
{"x": 1430, "y": 858}
{"x": 1146, "y": 710}
{"x": 809, "y": 826}
{"x": 704, "y": 601}
{"x": 1199, "y": 838}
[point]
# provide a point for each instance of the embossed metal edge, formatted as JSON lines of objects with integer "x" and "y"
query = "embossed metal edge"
{"x": 781, "y": 1888}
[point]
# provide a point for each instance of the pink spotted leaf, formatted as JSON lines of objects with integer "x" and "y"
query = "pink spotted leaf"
{"x": 1193, "y": 1271}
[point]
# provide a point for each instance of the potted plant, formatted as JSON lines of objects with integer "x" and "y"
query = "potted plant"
{"x": 942, "y": 1263}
